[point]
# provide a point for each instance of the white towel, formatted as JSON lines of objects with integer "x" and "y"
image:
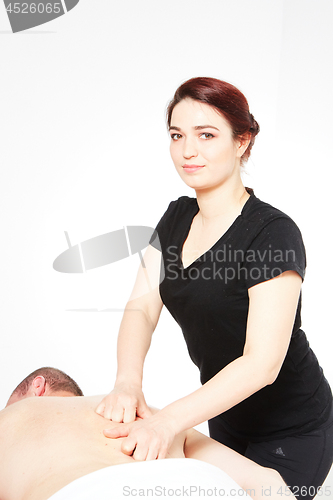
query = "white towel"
{"x": 155, "y": 479}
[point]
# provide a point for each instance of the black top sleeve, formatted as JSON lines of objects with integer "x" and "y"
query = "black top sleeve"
{"x": 277, "y": 248}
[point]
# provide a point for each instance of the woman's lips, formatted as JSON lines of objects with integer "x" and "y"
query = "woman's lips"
{"x": 192, "y": 168}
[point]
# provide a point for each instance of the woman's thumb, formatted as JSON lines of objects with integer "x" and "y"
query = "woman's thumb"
{"x": 117, "y": 432}
{"x": 143, "y": 411}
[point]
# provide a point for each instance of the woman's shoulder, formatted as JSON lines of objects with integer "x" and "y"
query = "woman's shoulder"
{"x": 185, "y": 201}
{"x": 182, "y": 204}
{"x": 266, "y": 224}
{"x": 173, "y": 219}
{"x": 262, "y": 213}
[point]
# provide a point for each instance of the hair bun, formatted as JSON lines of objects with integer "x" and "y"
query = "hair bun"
{"x": 254, "y": 125}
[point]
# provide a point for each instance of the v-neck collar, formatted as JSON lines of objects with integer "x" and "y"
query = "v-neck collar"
{"x": 197, "y": 262}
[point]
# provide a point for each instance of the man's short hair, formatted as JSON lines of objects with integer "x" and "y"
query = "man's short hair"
{"x": 57, "y": 380}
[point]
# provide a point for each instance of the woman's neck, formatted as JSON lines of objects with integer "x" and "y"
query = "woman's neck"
{"x": 221, "y": 202}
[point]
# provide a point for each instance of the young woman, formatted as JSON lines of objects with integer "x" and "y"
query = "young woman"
{"x": 233, "y": 269}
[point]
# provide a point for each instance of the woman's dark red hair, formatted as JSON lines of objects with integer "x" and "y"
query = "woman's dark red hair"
{"x": 226, "y": 99}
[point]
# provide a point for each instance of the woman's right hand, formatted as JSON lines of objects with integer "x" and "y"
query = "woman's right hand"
{"x": 124, "y": 403}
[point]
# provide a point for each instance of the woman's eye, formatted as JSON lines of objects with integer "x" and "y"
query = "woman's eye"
{"x": 175, "y": 137}
{"x": 206, "y": 135}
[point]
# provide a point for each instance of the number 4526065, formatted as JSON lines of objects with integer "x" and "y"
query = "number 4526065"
{"x": 32, "y": 8}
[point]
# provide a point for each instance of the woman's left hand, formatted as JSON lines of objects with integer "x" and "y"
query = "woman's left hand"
{"x": 146, "y": 439}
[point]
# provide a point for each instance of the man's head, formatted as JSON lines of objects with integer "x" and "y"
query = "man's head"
{"x": 45, "y": 382}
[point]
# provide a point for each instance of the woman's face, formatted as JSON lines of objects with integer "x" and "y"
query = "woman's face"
{"x": 202, "y": 146}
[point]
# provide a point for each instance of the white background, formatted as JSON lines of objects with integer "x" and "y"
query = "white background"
{"x": 84, "y": 149}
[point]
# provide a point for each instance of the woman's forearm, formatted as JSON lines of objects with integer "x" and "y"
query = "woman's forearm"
{"x": 134, "y": 339}
{"x": 126, "y": 400}
{"x": 237, "y": 381}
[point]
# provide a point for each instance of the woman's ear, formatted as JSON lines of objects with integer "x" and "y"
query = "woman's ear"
{"x": 243, "y": 143}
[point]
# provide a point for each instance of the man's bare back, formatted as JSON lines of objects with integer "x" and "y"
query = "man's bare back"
{"x": 51, "y": 436}
{"x": 46, "y": 443}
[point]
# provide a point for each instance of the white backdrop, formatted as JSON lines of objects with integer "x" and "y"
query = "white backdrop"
{"x": 84, "y": 149}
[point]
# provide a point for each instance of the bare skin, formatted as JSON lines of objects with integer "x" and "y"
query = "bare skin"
{"x": 48, "y": 442}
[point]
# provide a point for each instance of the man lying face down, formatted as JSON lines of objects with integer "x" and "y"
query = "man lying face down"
{"x": 45, "y": 382}
{"x": 51, "y": 436}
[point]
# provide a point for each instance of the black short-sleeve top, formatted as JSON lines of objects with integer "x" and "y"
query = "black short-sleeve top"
{"x": 209, "y": 300}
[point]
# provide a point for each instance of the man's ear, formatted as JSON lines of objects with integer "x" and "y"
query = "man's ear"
{"x": 38, "y": 386}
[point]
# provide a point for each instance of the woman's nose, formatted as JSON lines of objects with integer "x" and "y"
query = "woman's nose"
{"x": 189, "y": 149}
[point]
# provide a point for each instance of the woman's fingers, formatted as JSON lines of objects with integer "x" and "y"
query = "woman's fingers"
{"x": 153, "y": 451}
{"x": 145, "y": 439}
{"x": 140, "y": 453}
{"x": 108, "y": 412}
{"x": 117, "y": 432}
{"x": 145, "y": 448}
{"x": 162, "y": 452}
{"x": 100, "y": 408}
{"x": 105, "y": 407}
{"x": 129, "y": 448}
{"x": 123, "y": 404}
{"x": 117, "y": 413}
{"x": 129, "y": 414}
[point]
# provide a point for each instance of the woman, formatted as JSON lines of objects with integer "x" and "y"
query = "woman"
{"x": 233, "y": 267}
